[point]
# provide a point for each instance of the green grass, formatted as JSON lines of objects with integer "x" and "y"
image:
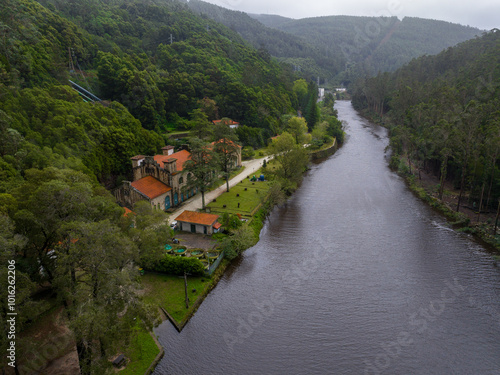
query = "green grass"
{"x": 261, "y": 152}
{"x": 249, "y": 200}
{"x": 168, "y": 292}
{"x": 141, "y": 352}
{"x": 221, "y": 181}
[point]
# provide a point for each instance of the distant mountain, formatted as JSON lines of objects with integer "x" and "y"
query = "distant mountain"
{"x": 302, "y": 55}
{"x": 271, "y": 20}
{"x": 375, "y": 43}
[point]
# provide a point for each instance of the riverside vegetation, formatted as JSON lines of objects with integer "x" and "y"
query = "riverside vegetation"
{"x": 160, "y": 68}
{"x": 443, "y": 119}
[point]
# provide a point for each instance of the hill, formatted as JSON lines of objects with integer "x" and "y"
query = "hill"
{"x": 293, "y": 50}
{"x": 442, "y": 112}
{"x": 153, "y": 62}
{"x": 373, "y": 44}
{"x": 270, "y": 20}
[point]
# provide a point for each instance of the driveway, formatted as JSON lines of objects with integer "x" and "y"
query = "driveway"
{"x": 195, "y": 240}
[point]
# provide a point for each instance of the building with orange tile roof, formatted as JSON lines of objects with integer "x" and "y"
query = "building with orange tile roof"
{"x": 198, "y": 222}
{"x": 159, "y": 179}
{"x": 232, "y": 124}
{"x": 151, "y": 187}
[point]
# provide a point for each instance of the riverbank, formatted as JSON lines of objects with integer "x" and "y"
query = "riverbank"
{"x": 255, "y": 213}
{"x": 425, "y": 186}
{"x": 350, "y": 258}
{"x": 467, "y": 220}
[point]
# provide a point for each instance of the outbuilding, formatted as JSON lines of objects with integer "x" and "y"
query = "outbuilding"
{"x": 198, "y": 222}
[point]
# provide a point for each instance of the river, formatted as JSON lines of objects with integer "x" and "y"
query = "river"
{"x": 353, "y": 275}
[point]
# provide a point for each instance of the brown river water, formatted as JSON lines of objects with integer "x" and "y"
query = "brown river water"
{"x": 353, "y": 275}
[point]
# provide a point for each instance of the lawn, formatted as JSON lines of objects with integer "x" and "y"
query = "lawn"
{"x": 248, "y": 199}
{"x": 168, "y": 292}
{"x": 141, "y": 352}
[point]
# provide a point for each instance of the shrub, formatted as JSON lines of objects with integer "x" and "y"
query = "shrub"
{"x": 247, "y": 153}
{"x": 176, "y": 265}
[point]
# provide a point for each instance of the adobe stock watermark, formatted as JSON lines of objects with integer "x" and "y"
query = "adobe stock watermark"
{"x": 11, "y": 313}
{"x": 419, "y": 322}
{"x": 292, "y": 279}
{"x": 363, "y": 37}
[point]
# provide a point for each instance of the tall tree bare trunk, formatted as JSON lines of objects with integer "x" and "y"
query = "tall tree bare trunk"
{"x": 481, "y": 201}
{"x": 462, "y": 186}
{"x": 444, "y": 169}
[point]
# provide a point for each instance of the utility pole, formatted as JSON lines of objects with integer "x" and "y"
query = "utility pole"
{"x": 171, "y": 38}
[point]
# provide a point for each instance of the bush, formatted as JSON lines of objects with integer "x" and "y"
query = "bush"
{"x": 176, "y": 265}
{"x": 242, "y": 239}
{"x": 247, "y": 153}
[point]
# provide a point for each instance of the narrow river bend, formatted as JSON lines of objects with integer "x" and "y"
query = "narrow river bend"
{"x": 354, "y": 275}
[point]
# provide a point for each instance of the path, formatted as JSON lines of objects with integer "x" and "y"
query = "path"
{"x": 194, "y": 203}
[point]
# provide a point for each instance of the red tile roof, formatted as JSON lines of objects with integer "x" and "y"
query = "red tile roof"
{"x": 151, "y": 187}
{"x": 181, "y": 156}
{"x": 216, "y": 122}
{"x": 197, "y": 218}
{"x": 217, "y": 225}
{"x": 138, "y": 157}
{"x": 127, "y": 211}
{"x": 228, "y": 141}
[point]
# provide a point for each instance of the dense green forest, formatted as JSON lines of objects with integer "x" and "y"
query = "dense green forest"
{"x": 288, "y": 48}
{"x": 444, "y": 118}
{"x": 158, "y": 67}
{"x": 358, "y": 46}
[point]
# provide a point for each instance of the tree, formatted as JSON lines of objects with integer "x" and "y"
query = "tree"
{"x": 297, "y": 126}
{"x": 10, "y": 139}
{"x": 25, "y": 307}
{"x": 200, "y": 125}
{"x": 203, "y": 167}
{"x": 150, "y": 232}
{"x": 466, "y": 141}
{"x": 103, "y": 290}
{"x": 209, "y": 107}
{"x": 227, "y": 150}
{"x": 300, "y": 89}
{"x": 292, "y": 160}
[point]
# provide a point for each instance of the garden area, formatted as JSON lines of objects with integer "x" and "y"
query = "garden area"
{"x": 168, "y": 292}
{"x": 244, "y": 198}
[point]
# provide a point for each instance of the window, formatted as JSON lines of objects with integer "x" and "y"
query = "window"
{"x": 181, "y": 180}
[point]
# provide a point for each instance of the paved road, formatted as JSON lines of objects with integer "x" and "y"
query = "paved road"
{"x": 194, "y": 203}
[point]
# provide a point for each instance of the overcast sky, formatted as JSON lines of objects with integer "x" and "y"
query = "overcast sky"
{"x": 484, "y": 14}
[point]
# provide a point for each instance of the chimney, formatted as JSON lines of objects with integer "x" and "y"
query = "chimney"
{"x": 170, "y": 165}
{"x": 137, "y": 160}
{"x": 168, "y": 150}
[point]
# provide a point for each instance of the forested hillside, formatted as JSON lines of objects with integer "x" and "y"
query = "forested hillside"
{"x": 372, "y": 44}
{"x": 443, "y": 115}
{"x": 121, "y": 51}
{"x": 157, "y": 66}
{"x": 285, "y": 46}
